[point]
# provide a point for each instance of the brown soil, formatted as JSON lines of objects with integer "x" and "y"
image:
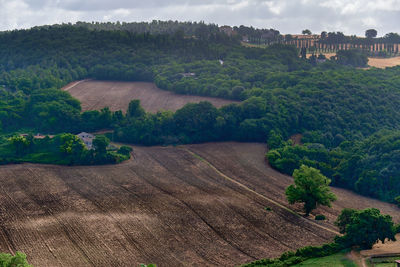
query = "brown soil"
{"x": 384, "y": 62}
{"x": 374, "y": 62}
{"x": 95, "y": 95}
{"x": 196, "y": 205}
{"x": 383, "y": 249}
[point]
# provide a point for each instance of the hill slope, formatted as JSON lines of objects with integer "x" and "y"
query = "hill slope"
{"x": 95, "y": 95}
{"x": 174, "y": 206}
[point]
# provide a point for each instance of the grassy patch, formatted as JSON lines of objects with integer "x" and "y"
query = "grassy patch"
{"x": 336, "y": 260}
{"x": 385, "y": 262}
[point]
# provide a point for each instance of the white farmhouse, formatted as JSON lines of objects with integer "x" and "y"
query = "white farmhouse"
{"x": 87, "y": 139}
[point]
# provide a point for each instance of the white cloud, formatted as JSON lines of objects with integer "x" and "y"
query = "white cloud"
{"x": 288, "y": 16}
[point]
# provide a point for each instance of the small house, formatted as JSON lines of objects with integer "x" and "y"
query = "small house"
{"x": 228, "y": 30}
{"x": 87, "y": 139}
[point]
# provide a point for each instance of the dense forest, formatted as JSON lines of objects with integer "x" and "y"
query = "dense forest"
{"x": 340, "y": 110}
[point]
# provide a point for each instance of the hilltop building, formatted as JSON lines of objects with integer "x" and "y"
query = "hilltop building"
{"x": 87, "y": 139}
{"x": 228, "y": 30}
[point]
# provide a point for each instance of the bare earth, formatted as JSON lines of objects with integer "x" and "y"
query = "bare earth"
{"x": 196, "y": 205}
{"x": 388, "y": 248}
{"x": 95, "y": 95}
{"x": 374, "y": 62}
{"x": 384, "y": 62}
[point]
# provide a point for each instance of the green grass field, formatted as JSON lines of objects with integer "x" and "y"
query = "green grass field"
{"x": 336, "y": 260}
{"x": 385, "y": 262}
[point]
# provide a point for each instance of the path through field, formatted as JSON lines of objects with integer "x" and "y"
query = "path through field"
{"x": 195, "y": 205}
{"x": 95, "y": 95}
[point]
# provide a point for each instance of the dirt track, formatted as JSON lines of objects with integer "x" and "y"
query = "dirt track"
{"x": 95, "y": 95}
{"x": 170, "y": 206}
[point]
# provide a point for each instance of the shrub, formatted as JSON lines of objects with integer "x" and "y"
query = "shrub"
{"x": 397, "y": 228}
{"x": 8, "y": 260}
{"x": 320, "y": 217}
{"x": 125, "y": 150}
{"x": 397, "y": 201}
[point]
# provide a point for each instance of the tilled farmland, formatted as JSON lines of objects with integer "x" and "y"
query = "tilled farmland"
{"x": 197, "y": 205}
{"x": 95, "y": 95}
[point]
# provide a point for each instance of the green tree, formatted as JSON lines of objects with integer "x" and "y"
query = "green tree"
{"x": 397, "y": 201}
{"x": 71, "y": 145}
{"x": 125, "y": 150}
{"x": 344, "y": 219}
{"x": 20, "y": 144}
{"x": 254, "y": 107}
{"x": 311, "y": 187}
{"x": 306, "y": 31}
{"x": 18, "y": 260}
{"x": 365, "y": 227}
{"x": 135, "y": 110}
{"x": 100, "y": 144}
{"x": 371, "y": 33}
{"x": 275, "y": 140}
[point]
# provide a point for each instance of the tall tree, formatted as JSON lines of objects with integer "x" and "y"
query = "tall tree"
{"x": 371, "y": 33}
{"x": 306, "y": 31}
{"x": 365, "y": 227}
{"x": 311, "y": 188}
{"x": 135, "y": 110}
{"x": 100, "y": 144}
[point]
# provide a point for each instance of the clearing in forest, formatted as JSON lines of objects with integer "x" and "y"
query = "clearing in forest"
{"x": 95, "y": 95}
{"x": 216, "y": 204}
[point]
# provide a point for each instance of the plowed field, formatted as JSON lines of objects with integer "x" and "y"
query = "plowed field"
{"x": 95, "y": 95}
{"x": 197, "y": 205}
{"x": 384, "y": 62}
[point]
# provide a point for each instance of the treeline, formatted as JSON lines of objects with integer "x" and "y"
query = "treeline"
{"x": 199, "y": 30}
{"x": 328, "y": 102}
{"x": 63, "y": 149}
{"x": 369, "y": 166}
{"x": 49, "y": 57}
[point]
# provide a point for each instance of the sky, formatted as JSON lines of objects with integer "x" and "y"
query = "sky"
{"x": 287, "y": 16}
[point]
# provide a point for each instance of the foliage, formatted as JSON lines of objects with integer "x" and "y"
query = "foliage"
{"x": 362, "y": 227}
{"x": 355, "y": 58}
{"x": 125, "y": 150}
{"x": 18, "y": 260}
{"x": 100, "y": 143}
{"x": 365, "y": 227}
{"x": 301, "y": 255}
{"x": 336, "y": 260}
{"x": 320, "y": 217}
{"x": 369, "y": 166}
{"x": 371, "y": 33}
{"x": 65, "y": 149}
{"x": 282, "y": 95}
{"x": 397, "y": 201}
{"x": 310, "y": 188}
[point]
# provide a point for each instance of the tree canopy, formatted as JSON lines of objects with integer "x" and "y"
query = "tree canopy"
{"x": 311, "y": 188}
{"x": 371, "y": 33}
{"x": 365, "y": 227}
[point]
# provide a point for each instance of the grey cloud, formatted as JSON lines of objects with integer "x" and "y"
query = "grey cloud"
{"x": 288, "y": 16}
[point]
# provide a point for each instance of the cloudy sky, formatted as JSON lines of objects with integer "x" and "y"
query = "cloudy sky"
{"x": 288, "y": 16}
